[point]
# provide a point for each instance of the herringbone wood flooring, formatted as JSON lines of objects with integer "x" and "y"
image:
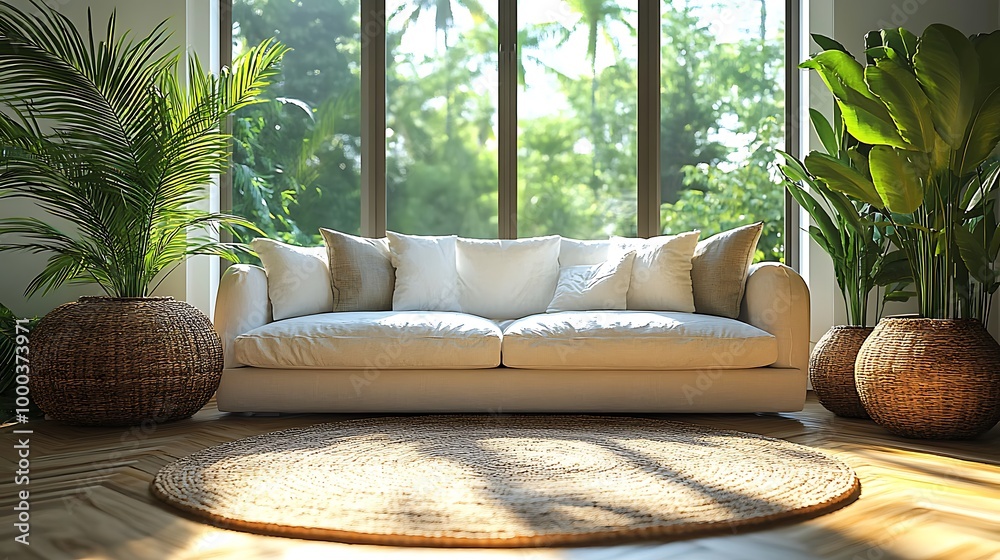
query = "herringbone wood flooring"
{"x": 90, "y": 498}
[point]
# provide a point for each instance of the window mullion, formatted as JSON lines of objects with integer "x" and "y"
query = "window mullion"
{"x": 507, "y": 120}
{"x": 373, "y": 141}
{"x": 793, "y": 117}
{"x": 648, "y": 131}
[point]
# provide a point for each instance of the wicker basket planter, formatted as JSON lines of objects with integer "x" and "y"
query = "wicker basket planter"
{"x": 124, "y": 361}
{"x": 831, "y": 370}
{"x": 930, "y": 378}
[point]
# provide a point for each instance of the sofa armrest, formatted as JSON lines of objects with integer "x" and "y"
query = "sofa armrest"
{"x": 242, "y": 305}
{"x": 776, "y": 300}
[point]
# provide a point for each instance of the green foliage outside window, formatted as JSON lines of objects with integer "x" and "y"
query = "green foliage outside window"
{"x": 297, "y": 161}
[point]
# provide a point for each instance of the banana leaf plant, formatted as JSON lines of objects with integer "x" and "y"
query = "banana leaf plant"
{"x": 106, "y": 136}
{"x": 929, "y": 107}
{"x": 851, "y": 231}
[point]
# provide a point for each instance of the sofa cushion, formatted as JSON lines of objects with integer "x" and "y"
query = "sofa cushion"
{"x": 298, "y": 278}
{"x": 373, "y": 340}
{"x": 635, "y": 340}
{"x": 596, "y": 286}
{"x": 577, "y": 252}
{"x": 661, "y": 274}
{"x": 361, "y": 271}
{"x": 719, "y": 269}
{"x": 426, "y": 273}
{"x": 507, "y": 278}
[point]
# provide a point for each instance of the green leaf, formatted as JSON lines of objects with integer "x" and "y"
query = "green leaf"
{"x": 875, "y": 54}
{"x": 792, "y": 169}
{"x": 842, "y": 178}
{"x": 900, "y": 296}
{"x": 895, "y": 268}
{"x": 984, "y": 127}
{"x": 859, "y": 161}
{"x": 975, "y": 255}
{"x": 824, "y": 243}
{"x": 825, "y": 132}
{"x": 897, "y": 178}
{"x": 866, "y": 117}
{"x": 826, "y": 226}
{"x": 947, "y": 68}
{"x": 828, "y": 44}
{"x": 994, "y": 248}
{"x": 907, "y": 104}
{"x": 874, "y": 47}
{"x": 976, "y": 192}
{"x": 854, "y": 224}
{"x": 902, "y": 42}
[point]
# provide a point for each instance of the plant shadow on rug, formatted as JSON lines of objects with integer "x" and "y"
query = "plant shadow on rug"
{"x": 505, "y": 481}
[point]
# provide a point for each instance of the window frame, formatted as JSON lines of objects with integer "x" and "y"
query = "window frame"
{"x": 373, "y": 118}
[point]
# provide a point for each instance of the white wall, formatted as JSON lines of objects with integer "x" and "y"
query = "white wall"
{"x": 194, "y": 25}
{"x": 848, "y": 21}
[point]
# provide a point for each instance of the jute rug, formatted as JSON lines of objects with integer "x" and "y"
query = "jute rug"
{"x": 504, "y": 481}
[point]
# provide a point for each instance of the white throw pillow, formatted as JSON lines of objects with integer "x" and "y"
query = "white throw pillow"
{"x": 298, "y": 278}
{"x": 661, "y": 273}
{"x": 574, "y": 252}
{"x": 426, "y": 277}
{"x": 509, "y": 278}
{"x": 593, "y": 287}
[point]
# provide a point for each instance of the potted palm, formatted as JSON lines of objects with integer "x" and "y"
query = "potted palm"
{"x": 108, "y": 139}
{"x": 930, "y": 108}
{"x": 851, "y": 231}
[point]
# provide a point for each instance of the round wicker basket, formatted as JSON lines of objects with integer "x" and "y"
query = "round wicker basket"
{"x": 831, "y": 370}
{"x": 930, "y": 378}
{"x": 124, "y": 361}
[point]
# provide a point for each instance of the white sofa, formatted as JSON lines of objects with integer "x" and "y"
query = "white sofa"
{"x": 574, "y": 361}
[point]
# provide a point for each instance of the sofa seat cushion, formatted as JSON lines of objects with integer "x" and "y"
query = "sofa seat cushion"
{"x": 374, "y": 340}
{"x": 635, "y": 340}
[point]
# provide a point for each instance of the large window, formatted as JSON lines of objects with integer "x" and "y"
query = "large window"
{"x": 722, "y": 102}
{"x": 441, "y": 109}
{"x": 296, "y": 158}
{"x": 577, "y": 109}
{"x": 572, "y": 121}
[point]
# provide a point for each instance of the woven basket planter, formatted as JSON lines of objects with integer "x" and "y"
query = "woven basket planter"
{"x": 930, "y": 378}
{"x": 831, "y": 370}
{"x": 124, "y": 361}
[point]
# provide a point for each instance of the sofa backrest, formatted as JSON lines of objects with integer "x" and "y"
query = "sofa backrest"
{"x": 719, "y": 263}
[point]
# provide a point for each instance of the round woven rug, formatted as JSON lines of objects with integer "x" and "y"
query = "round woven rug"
{"x": 504, "y": 481}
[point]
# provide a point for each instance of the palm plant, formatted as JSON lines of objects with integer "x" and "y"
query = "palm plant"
{"x": 107, "y": 137}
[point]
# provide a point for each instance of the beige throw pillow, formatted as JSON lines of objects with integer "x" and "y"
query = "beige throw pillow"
{"x": 719, "y": 270}
{"x": 361, "y": 272}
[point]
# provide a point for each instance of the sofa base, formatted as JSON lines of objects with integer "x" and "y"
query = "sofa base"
{"x": 509, "y": 390}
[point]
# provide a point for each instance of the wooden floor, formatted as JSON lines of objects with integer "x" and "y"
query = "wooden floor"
{"x": 90, "y": 498}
